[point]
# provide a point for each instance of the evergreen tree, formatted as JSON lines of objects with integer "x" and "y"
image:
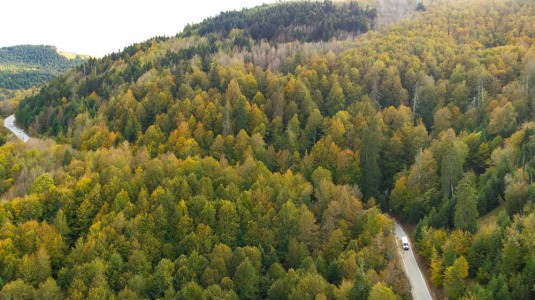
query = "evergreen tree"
{"x": 466, "y": 203}
{"x": 246, "y": 279}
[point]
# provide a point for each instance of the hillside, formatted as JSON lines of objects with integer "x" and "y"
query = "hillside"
{"x": 282, "y": 22}
{"x": 228, "y": 163}
{"x": 25, "y": 66}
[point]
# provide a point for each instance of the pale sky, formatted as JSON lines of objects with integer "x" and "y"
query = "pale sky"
{"x": 99, "y": 27}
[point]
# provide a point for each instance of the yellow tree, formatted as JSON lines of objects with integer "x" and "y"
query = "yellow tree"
{"x": 454, "y": 278}
{"x": 381, "y": 292}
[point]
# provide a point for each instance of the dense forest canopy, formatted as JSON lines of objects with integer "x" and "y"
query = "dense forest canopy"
{"x": 25, "y": 66}
{"x": 280, "y": 22}
{"x": 217, "y": 164}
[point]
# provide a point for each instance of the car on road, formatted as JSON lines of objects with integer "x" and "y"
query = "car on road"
{"x": 405, "y": 243}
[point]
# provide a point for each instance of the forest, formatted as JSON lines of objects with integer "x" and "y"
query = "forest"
{"x": 25, "y": 66}
{"x": 303, "y": 21}
{"x": 226, "y": 164}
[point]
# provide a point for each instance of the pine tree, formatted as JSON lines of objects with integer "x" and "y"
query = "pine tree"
{"x": 466, "y": 212}
{"x": 370, "y": 155}
{"x": 228, "y": 223}
{"x": 246, "y": 279}
{"x": 336, "y": 99}
{"x": 452, "y": 167}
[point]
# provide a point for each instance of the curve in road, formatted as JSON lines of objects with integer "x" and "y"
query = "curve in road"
{"x": 9, "y": 123}
{"x": 416, "y": 278}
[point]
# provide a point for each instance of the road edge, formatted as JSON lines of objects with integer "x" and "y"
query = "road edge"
{"x": 414, "y": 257}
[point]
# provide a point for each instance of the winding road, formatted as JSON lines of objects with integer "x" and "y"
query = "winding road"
{"x": 416, "y": 278}
{"x": 9, "y": 123}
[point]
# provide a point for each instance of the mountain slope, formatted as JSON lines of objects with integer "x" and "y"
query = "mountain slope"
{"x": 303, "y": 21}
{"x": 25, "y": 66}
{"x": 217, "y": 163}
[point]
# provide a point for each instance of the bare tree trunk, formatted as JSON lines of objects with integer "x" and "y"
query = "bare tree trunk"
{"x": 415, "y": 100}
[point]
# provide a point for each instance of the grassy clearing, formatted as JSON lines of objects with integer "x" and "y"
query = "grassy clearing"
{"x": 490, "y": 218}
{"x": 70, "y": 55}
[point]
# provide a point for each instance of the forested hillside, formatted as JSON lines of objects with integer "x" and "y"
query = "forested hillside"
{"x": 22, "y": 67}
{"x": 222, "y": 163}
{"x": 303, "y": 21}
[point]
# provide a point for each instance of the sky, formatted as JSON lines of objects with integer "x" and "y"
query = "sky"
{"x": 99, "y": 27}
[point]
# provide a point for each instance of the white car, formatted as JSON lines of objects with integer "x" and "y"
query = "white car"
{"x": 405, "y": 243}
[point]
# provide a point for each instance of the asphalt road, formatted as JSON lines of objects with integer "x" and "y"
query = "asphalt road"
{"x": 9, "y": 123}
{"x": 416, "y": 278}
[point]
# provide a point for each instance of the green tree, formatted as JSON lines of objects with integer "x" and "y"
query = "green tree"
{"x": 503, "y": 120}
{"x": 498, "y": 287}
{"x": 42, "y": 184}
{"x": 466, "y": 213}
{"x": 310, "y": 286}
{"x": 242, "y": 113}
{"x": 516, "y": 191}
{"x": 371, "y": 133}
{"x": 511, "y": 255}
{"x": 191, "y": 290}
{"x": 49, "y": 290}
{"x": 308, "y": 229}
{"x": 452, "y": 167}
{"x": 162, "y": 279}
{"x": 228, "y": 223}
{"x": 311, "y": 132}
{"x": 85, "y": 214}
{"x": 60, "y": 223}
{"x": 336, "y": 99}
{"x": 36, "y": 268}
{"x": 361, "y": 285}
{"x": 17, "y": 290}
{"x": 246, "y": 279}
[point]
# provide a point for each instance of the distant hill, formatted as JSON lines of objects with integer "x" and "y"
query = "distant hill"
{"x": 25, "y": 66}
{"x": 283, "y": 22}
